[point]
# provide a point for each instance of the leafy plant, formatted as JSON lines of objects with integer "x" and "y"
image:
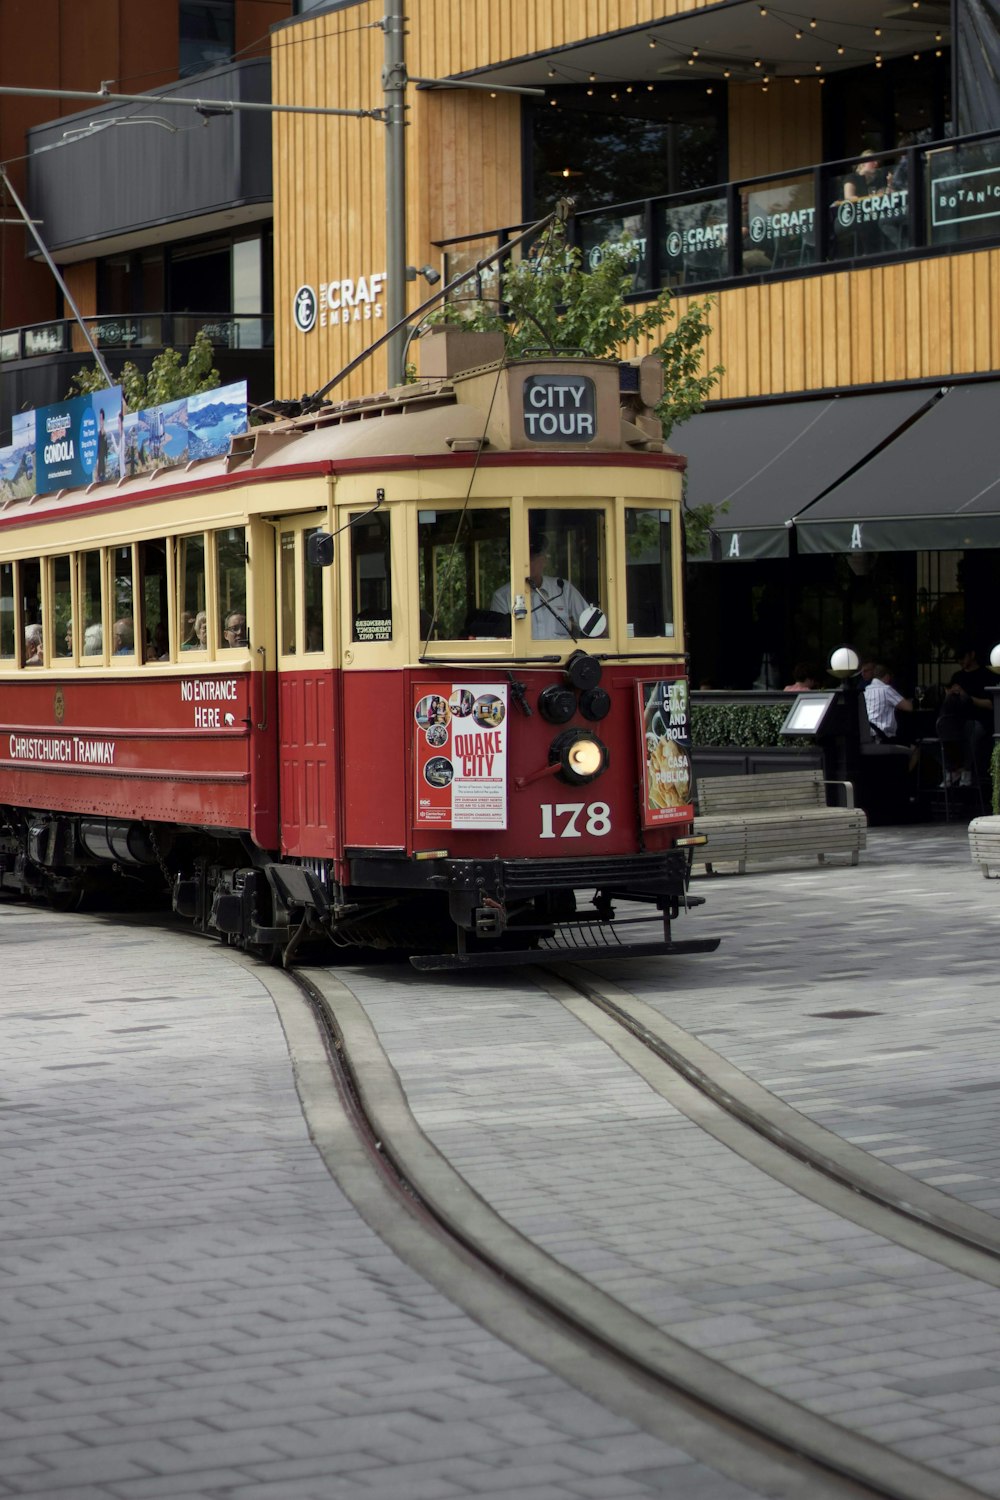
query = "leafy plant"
{"x": 169, "y": 377}
{"x": 548, "y": 301}
{"x": 747, "y": 726}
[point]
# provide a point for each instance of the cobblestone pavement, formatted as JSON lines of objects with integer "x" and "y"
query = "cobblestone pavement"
{"x": 188, "y": 1305}
{"x": 582, "y": 1156}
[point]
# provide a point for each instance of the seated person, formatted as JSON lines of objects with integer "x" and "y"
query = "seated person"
{"x": 963, "y": 738}
{"x": 158, "y": 647}
{"x": 556, "y": 605}
{"x": 186, "y": 631}
{"x": 124, "y": 636}
{"x": 806, "y": 678}
{"x": 234, "y": 630}
{"x": 34, "y": 656}
{"x": 93, "y": 639}
{"x": 881, "y": 702}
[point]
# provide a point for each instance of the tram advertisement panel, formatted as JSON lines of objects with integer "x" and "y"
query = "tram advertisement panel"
{"x": 665, "y": 752}
{"x": 460, "y": 754}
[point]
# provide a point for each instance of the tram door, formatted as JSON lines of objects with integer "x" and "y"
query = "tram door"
{"x": 307, "y": 708}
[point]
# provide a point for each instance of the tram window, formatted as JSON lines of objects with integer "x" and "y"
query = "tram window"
{"x": 287, "y": 569}
{"x": 192, "y": 616}
{"x": 371, "y": 578}
{"x": 62, "y": 607}
{"x": 312, "y": 594}
{"x": 91, "y": 608}
{"x": 30, "y": 587}
{"x": 123, "y": 603}
{"x": 568, "y": 574}
{"x": 153, "y": 626}
{"x": 649, "y": 589}
{"x": 7, "y": 635}
{"x": 464, "y": 567}
{"x": 231, "y": 561}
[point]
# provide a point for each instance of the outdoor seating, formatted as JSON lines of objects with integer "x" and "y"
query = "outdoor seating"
{"x": 984, "y": 845}
{"x": 776, "y": 817}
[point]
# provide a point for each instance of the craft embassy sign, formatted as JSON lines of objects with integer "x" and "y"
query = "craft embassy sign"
{"x": 350, "y": 300}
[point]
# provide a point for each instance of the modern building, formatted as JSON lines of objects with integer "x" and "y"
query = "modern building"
{"x": 158, "y": 216}
{"x": 828, "y": 171}
{"x": 849, "y": 442}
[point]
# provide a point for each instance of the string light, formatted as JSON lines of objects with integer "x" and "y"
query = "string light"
{"x": 758, "y": 63}
{"x": 812, "y": 25}
{"x": 798, "y": 36}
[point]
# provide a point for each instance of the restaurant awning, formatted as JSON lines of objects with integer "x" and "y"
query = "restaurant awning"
{"x": 765, "y": 464}
{"x": 935, "y": 488}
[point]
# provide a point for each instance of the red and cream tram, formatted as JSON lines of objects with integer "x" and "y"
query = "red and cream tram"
{"x": 409, "y": 672}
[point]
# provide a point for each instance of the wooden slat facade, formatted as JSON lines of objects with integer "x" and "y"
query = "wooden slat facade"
{"x": 922, "y": 319}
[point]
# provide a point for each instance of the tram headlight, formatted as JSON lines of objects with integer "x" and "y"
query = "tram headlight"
{"x": 580, "y": 756}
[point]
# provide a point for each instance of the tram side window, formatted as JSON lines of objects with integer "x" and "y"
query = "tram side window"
{"x": 568, "y": 574}
{"x": 288, "y": 595}
{"x": 123, "y": 603}
{"x": 371, "y": 578}
{"x": 154, "y": 632}
{"x": 192, "y": 610}
{"x": 464, "y": 568}
{"x": 7, "y": 635}
{"x": 30, "y": 583}
{"x": 91, "y": 608}
{"x": 649, "y": 587}
{"x": 62, "y": 606}
{"x": 312, "y": 594}
{"x": 231, "y": 562}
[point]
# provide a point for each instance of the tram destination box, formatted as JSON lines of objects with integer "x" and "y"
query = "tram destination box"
{"x": 543, "y": 405}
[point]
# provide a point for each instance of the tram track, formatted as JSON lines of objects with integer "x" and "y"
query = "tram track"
{"x": 436, "y": 1220}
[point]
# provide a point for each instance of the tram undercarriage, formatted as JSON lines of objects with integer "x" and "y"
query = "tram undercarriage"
{"x": 446, "y": 914}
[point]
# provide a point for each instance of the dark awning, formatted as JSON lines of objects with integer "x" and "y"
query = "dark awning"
{"x": 767, "y": 463}
{"x": 935, "y": 488}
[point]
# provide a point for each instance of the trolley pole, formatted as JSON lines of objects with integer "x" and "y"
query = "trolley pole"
{"x": 394, "y": 90}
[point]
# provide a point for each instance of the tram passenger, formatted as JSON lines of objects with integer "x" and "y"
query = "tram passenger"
{"x": 188, "y": 638}
{"x": 198, "y": 640}
{"x": 124, "y": 636}
{"x": 235, "y": 629}
{"x": 34, "y": 656}
{"x": 93, "y": 639}
{"x": 556, "y": 605}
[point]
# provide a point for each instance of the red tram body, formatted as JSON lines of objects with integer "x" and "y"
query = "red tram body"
{"x": 408, "y": 671}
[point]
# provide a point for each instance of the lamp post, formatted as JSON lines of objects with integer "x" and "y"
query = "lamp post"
{"x": 846, "y": 748}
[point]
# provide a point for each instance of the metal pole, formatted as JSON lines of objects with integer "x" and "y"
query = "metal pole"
{"x": 99, "y": 358}
{"x": 394, "y": 86}
{"x": 207, "y": 106}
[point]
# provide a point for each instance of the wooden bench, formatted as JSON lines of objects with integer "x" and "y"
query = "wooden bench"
{"x": 771, "y": 817}
{"x": 984, "y": 843}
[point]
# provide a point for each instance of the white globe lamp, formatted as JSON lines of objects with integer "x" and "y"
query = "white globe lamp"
{"x": 844, "y": 662}
{"x": 995, "y": 659}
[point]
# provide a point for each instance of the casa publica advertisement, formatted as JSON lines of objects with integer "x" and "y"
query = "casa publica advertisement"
{"x": 667, "y": 778}
{"x": 460, "y": 755}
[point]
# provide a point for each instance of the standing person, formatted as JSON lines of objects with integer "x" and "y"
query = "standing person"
{"x": 881, "y": 703}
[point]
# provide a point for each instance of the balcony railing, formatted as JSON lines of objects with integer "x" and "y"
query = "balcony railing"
{"x": 939, "y": 196}
{"x": 144, "y": 331}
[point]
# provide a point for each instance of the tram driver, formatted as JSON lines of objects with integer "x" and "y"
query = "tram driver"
{"x": 558, "y": 609}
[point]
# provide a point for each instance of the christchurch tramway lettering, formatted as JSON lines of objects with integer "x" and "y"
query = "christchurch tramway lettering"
{"x": 70, "y": 750}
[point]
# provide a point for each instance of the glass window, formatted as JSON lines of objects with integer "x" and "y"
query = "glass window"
{"x": 371, "y": 578}
{"x": 565, "y": 587}
{"x": 649, "y": 587}
{"x": 7, "y": 634}
{"x": 153, "y": 599}
{"x": 231, "y": 561}
{"x": 91, "y": 608}
{"x": 464, "y": 566}
{"x": 123, "y": 603}
{"x": 62, "y": 607}
{"x": 312, "y": 591}
{"x": 778, "y": 224}
{"x": 287, "y": 570}
{"x": 30, "y": 588}
{"x": 206, "y": 32}
{"x": 192, "y": 614}
{"x": 693, "y": 237}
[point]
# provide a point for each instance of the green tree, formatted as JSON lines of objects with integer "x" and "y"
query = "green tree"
{"x": 548, "y": 301}
{"x": 169, "y": 377}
